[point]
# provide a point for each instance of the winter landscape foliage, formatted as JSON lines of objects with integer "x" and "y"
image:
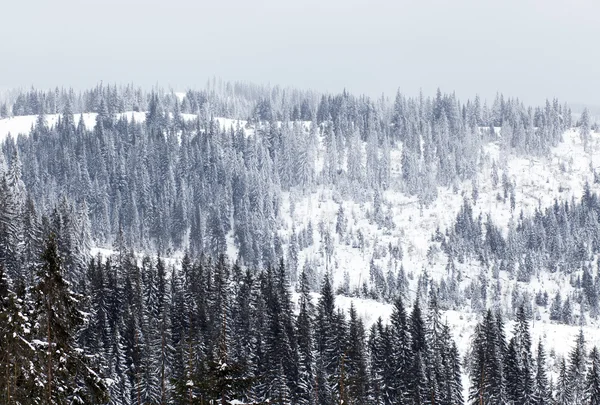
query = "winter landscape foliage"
{"x": 254, "y": 244}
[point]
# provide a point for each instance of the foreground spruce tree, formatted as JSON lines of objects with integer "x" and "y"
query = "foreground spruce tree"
{"x": 486, "y": 379}
{"x": 67, "y": 375}
{"x": 17, "y": 379}
{"x": 592, "y": 381}
{"x": 541, "y": 394}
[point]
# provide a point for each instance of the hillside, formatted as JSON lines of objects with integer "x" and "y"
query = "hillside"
{"x": 538, "y": 181}
{"x": 453, "y": 208}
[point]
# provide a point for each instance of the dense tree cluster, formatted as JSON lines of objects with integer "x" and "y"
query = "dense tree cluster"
{"x": 141, "y": 332}
{"x": 77, "y": 329}
{"x": 231, "y": 99}
{"x": 563, "y": 238}
{"x": 171, "y": 182}
{"x": 41, "y": 358}
{"x": 211, "y": 332}
{"x": 506, "y": 372}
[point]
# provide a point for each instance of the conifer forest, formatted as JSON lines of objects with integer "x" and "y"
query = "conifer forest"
{"x": 253, "y": 244}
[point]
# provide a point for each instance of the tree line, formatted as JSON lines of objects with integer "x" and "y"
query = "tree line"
{"x": 136, "y": 331}
{"x": 139, "y": 332}
{"x": 507, "y": 371}
{"x": 172, "y": 183}
{"x": 562, "y": 239}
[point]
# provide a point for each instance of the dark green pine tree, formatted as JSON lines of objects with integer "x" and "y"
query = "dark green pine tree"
{"x": 17, "y": 378}
{"x": 541, "y": 392}
{"x": 450, "y": 384}
{"x": 420, "y": 386}
{"x": 9, "y": 230}
{"x": 577, "y": 369}
{"x": 149, "y": 338}
{"x": 592, "y": 381}
{"x": 133, "y": 336}
{"x": 564, "y": 392}
{"x": 121, "y": 387}
{"x": 377, "y": 363}
{"x": 216, "y": 234}
{"x": 278, "y": 355}
{"x": 166, "y": 352}
{"x": 454, "y": 378}
{"x": 179, "y": 326}
{"x": 512, "y": 373}
{"x": 96, "y": 337}
{"x": 305, "y": 393}
{"x": 438, "y": 343}
{"x": 33, "y": 240}
{"x": 401, "y": 349}
{"x": 69, "y": 378}
{"x": 189, "y": 352}
{"x": 524, "y": 357}
{"x": 417, "y": 329}
{"x": 324, "y": 394}
{"x": 340, "y": 347}
{"x": 357, "y": 382}
{"x": 258, "y": 327}
{"x": 419, "y": 390}
{"x": 290, "y": 354}
{"x": 486, "y": 378}
{"x": 217, "y": 287}
{"x": 325, "y": 338}
{"x": 244, "y": 344}
{"x": 223, "y": 379}
{"x": 500, "y": 340}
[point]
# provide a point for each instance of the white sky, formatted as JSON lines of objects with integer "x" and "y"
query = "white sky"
{"x": 533, "y": 49}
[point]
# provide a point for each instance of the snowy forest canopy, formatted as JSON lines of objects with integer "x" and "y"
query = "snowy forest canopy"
{"x": 211, "y": 332}
{"x": 176, "y": 181}
{"x": 207, "y": 172}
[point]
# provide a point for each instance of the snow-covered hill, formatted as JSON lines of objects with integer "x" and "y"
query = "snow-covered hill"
{"x": 21, "y": 125}
{"x": 538, "y": 181}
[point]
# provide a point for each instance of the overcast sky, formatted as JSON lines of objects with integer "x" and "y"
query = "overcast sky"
{"x": 533, "y": 49}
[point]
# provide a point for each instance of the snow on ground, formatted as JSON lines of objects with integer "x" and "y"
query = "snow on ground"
{"x": 558, "y": 339}
{"x": 102, "y": 252}
{"x": 368, "y": 310}
{"x": 22, "y": 124}
{"x": 172, "y": 259}
{"x": 538, "y": 181}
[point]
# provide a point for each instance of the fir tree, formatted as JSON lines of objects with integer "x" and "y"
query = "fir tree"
{"x": 592, "y": 381}
{"x": 19, "y": 380}
{"x": 541, "y": 393}
{"x": 564, "y": 392}
{"x": 577, "y": 368}
{"x": 68, "y": 375}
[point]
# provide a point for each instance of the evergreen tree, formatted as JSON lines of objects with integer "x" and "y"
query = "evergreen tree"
{"x": 577, "y": 369}
{"x": 487, "y": 385}
{"x": 305, "y": 345}
{"x": 564, "y": 391}
{"x": 18, "y": 379}
{"x": 524, "y": 359}
{"x": 355, "y": 373}
{"x": 401, "y": 349}
{"x": 592, "y": 381}
{"x": 556, "y": 308}
{"x": 541, "y": 393}
{"x": 67, "y": 373}
{"x": 584, "y": 130}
